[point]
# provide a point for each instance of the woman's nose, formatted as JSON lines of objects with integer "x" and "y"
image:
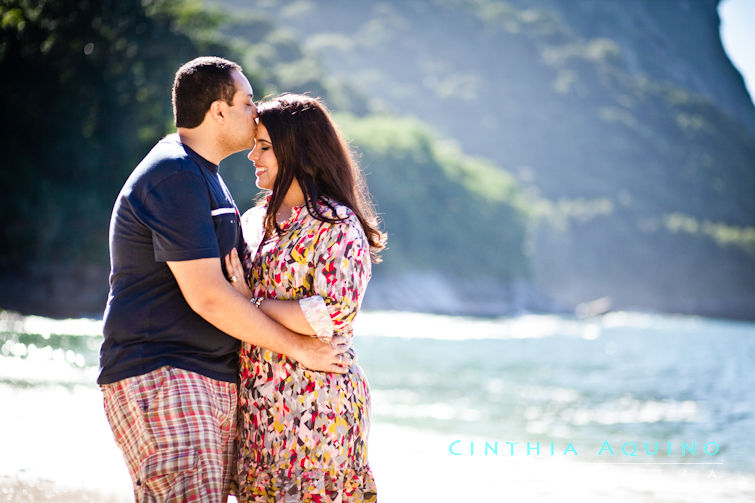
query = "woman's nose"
{"x": 250, "y": 155}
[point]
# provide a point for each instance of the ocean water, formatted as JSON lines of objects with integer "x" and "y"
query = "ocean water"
{"x": 623, "y": 377}
{"x": 621, "y": 407}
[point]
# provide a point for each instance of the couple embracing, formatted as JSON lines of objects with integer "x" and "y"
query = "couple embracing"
{"x": 227, "y": 362}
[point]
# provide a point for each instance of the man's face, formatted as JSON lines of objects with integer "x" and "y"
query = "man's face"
{"x": 240, "y": 126}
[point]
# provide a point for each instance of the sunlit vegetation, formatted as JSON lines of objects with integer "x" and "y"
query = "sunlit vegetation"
{"x": 442, "y": 210}
{"x": 723, "y": 234}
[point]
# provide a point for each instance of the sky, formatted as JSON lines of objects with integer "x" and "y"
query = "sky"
{"x": 738, "y": 36}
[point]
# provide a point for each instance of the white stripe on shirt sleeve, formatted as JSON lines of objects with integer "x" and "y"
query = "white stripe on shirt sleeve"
{"x": 222, "y": 211}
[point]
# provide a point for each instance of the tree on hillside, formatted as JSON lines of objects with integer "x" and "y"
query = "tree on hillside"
{"x": 85, "y": 93}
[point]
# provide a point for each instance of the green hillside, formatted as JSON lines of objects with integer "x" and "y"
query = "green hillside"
{"x": 100, "y": 78}
{"x": 439, "y": 205}
{"x": 642, "y": 166}
{"x": 511, "y": 147}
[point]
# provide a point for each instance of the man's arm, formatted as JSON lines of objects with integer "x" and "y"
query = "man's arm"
{"x": 286, "y": 312}
{"x": 209, "y": 294}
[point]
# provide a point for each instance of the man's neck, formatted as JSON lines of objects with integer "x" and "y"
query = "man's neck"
{"x": 202, "y": 142}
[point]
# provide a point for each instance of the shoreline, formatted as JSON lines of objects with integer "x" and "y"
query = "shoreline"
{"x": 83, "y": 294}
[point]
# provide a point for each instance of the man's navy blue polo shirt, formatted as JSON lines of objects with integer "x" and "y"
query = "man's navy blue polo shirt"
{"x": 173, "y": 207}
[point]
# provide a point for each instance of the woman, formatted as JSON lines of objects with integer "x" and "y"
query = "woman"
{"x": 301, "y": 434}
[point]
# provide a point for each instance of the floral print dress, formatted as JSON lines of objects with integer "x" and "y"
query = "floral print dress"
{"x": 301, "y": 434}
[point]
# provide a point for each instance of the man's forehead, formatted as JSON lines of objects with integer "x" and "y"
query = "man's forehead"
{"x": 242, "y": 83}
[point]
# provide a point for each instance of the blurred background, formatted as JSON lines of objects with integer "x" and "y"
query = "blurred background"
{"x": 568, "y": 192}
{"x": 524, "y": 155}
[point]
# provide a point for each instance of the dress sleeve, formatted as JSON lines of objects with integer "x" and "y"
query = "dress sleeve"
{"x": 341, "y": 271}
{"x": 253, "y": 231}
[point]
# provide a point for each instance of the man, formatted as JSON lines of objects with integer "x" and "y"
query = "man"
{"x": 169, "y": 358}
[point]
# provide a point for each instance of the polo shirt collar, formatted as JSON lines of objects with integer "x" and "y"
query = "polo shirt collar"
{"x": 200, "y": 160}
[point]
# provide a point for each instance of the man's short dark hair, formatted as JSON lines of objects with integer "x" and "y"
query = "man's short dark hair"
{"x": 197, "y": 84}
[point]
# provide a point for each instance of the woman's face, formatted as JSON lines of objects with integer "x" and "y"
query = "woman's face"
{"x": 263, "y": 157}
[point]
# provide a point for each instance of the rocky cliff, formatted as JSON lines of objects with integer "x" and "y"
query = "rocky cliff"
{"x": 674, "y": 40}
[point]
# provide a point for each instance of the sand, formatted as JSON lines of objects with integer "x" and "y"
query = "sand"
{"x": 58, "y": 447}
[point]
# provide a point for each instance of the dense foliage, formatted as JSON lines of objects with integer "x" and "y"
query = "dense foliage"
{"x": 85, "y": 93}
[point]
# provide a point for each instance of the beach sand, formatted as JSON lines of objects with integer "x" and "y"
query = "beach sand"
{"x": 414, "y": 466}
{"x": 57, "y": 447}
{"x": 17, "y": 490}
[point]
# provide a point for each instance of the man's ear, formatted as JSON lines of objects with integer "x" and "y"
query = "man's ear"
{"x": 216, "y": 111}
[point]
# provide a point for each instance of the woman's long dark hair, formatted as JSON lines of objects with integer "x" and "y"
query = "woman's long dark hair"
{"x": 309, "y": 148}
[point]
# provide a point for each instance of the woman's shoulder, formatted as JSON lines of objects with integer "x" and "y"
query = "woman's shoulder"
{"x": 343, "y": 215}
{"x": 253, "y": 225}
{"x": 253, "y": 216}
{"x": 254, "y": 212}
{"x": 333, "y": 209}
{"x": 346, "y": 229}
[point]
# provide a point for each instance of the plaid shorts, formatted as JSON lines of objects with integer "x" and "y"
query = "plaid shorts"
{"x": 176, "y": 430}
